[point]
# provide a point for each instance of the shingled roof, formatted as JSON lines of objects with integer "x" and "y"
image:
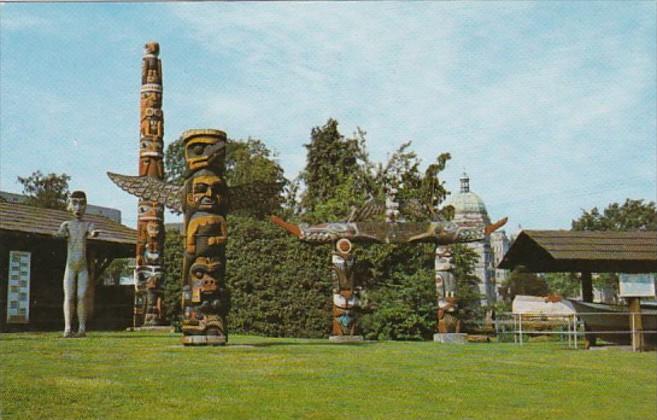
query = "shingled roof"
{"x": 39, "y": 221}
{"x": 571, "y": 251}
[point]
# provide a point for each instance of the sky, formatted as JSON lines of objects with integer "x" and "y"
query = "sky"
{"x": 550, "y": 107}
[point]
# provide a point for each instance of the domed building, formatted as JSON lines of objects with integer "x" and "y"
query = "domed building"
{"x": 470, "y": 210}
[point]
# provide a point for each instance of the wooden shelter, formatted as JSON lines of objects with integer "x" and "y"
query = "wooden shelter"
{"x": 32, "y": 262}
{"x": 544, "y": 251}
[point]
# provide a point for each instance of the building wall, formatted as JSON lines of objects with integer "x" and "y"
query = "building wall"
{"x": 113, "y": 304}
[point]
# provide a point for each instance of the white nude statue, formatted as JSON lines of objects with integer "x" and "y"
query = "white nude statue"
{"x": 76, "y": 276}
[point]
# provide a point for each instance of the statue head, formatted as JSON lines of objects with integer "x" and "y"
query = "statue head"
{"x": 77, "y": 204}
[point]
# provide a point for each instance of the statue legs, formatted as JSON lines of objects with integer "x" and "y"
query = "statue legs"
{"x": 69, "y": 299}
{"x": 76, "y": 291}
{"x": 83, "y": 291}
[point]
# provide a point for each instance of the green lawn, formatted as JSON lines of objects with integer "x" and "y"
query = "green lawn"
{"x": 150, "y": 375}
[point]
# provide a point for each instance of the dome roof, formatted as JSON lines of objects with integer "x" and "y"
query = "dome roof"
{"x": 468, "y": 206}
{"x": 467, "y": 202}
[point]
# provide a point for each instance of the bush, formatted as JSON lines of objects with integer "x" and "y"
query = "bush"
{"x": 279, "y": 285}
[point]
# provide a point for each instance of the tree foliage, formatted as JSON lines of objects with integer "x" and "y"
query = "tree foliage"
{"x": 172, "y": 279}
{"x": 331, "y": 161}
{"x": 562, "y": 284}
{"x": 48, "y": 191}
{"x": 632, "y": 215}
{"x": 523, "y": 282}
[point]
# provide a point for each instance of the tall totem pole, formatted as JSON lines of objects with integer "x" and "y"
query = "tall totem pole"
{"x": 204, "y": 201}
{"x": 205, "y": 299}
{"x": 150, "y": 214}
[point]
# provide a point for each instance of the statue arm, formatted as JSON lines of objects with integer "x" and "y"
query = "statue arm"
{"x": 92, "y": 231}
{"x": 62, "y": 232}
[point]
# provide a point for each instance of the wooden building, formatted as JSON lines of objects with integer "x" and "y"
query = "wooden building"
{"x": 32, "y": 262}
{"x": 547, "y": 251}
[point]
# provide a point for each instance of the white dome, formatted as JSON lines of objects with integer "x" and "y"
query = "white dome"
{"x": 468, "y": 202}
{"x": 469, "y": 208}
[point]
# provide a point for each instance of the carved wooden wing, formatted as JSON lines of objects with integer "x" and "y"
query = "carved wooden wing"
{"x": 367, "y": 211}
{"x": 150, "y": 188}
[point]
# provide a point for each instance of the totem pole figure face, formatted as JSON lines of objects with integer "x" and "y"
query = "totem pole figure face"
{"x": 205, "y": 150}
{"x": 443, "y": 258}
{"x": 152, "y": 48}
{"x": 206, "y": 192}
{"x": 151, "y": 99}
{"x": 149, "y": 210}
{"x": 204, "y": 273}
{"x": 153, "y": 230}
{"x": 150, "y": 148}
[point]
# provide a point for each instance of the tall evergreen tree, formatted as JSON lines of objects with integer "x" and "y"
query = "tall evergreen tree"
{"x": 332, "y": 161}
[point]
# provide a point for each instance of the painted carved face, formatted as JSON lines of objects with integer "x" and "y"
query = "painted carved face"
{"x": 204, "y": 151}
{"x": 151, "y": 99}
{"x": 152, "y": 48}
{"x": 148, "y": 276}
{"x": 150, "y": 148}
{"x": 153, "y": 229}
{"x": 204, "y": 274}
{"x": 77, "y": 206}
{"x": 206, "y": 192}
{"x": 148, "y": 210}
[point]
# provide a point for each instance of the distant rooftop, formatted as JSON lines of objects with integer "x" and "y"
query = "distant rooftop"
{"x": 15, "y": 217}
{"x": 544, "y": 251}
{"x": 110, "y": 213}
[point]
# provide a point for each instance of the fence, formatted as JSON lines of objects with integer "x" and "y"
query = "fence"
{"x": 574, "y": 329}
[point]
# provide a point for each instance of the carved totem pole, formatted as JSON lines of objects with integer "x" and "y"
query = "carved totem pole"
{"x": 346, "y": 291}
{"x": 203, "y": 199}
{"x": 150, "y": 216}
{"x": 446, "y": 292}
{"x": 205, "y": 299}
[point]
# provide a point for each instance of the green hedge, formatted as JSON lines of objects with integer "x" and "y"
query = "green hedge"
{"x": 282, "y": 287}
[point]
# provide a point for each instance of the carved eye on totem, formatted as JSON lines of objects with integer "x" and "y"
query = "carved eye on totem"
{"x": 197, "y": 149}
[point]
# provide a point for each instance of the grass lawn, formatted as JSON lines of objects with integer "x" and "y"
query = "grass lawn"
{"x": 150, "y": 375}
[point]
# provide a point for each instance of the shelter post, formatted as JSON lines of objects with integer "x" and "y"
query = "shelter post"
{"x": 636, "y": 324}
{"x": 587, "y": 286}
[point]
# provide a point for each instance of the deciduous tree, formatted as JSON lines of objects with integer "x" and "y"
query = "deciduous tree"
{"x": 49, "y": 191}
